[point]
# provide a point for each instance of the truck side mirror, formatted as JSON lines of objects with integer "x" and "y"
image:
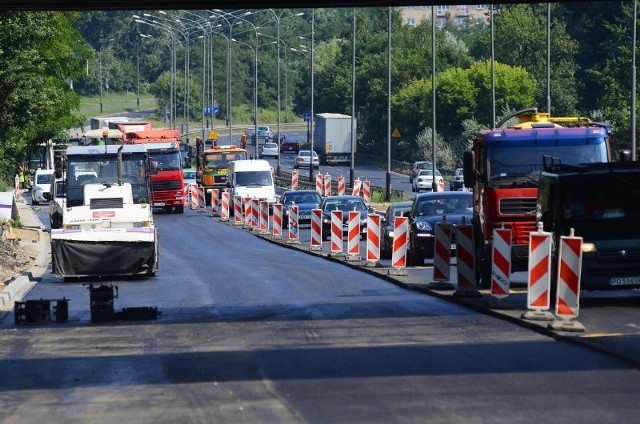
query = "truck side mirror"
{"x": 228, "y": 184}
{"x": 47, "y": 196}
{"x": 468, "y": 172}
{"x": 153, "y": 167}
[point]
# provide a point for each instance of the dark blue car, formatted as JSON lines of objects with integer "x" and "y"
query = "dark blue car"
{"x": 305, "y": 200}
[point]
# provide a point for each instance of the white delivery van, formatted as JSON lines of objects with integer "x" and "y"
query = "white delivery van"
{"x": 41, "y": 184}
{"x": 252, "y": 178}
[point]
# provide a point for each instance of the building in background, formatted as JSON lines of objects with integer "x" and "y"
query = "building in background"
{"x": 454, "y": 14}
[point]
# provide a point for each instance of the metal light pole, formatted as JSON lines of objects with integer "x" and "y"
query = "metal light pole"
{"x": 352, "y": 170}
{"x": 313, "y": 20}
{"x": 434, "y": 184}
{"x": 633, "y": 84}
{"x": 388, "y": 176}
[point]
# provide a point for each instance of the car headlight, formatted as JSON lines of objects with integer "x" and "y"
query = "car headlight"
{"x": 423, "y": 226}
{"x": 589, "y": 248}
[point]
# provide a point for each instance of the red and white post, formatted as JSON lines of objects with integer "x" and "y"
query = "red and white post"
{"x": 294, "y": 229}
{"x": 255, "y": 213}
{"x": 264, "y": 217}
{"x": 238, "y": 217}
{"x": 442, "y": 252}
{"x": 195, "y": 201}
{"x": 341, "y": 186}
{"x": 373, "y": 239}
{"x": 366, "y": 192}
{"x": 327, "y": 185}
{"x": 224, "y": 210}
{"x": 276, "y": 227}
{"x": 357, "y": 184}
{"x": 246, "y": 201}
{"x": 319, "y": 184}
{"x": 336, "y": 233}
{"x": 400, "y": 239}
{"x": 215, "y": 208}
{"x": 568, "y": 291}
{"x": 539, "y": 277}
{"x": 353, "y": 236}
{"x": 294, "y": 180}
{"x": 501, "y": 263}
{"x": 316, "y": 229}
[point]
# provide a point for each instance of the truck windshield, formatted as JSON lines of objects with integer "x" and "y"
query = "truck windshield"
{"x": 253, "y": 178}
{"x": 96, "y": 169}
{"x": 168, "y": 160}
{"x": 523, "y": 161}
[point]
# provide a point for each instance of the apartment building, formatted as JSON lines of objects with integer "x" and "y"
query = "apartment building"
{"x": 456, "y": 14}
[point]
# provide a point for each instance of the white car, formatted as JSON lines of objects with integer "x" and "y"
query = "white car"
{"x": 265, "y": 133}
{"x": 303, "y": 158}
{"x": 268, "y": 150}
{"x": 424, "y": 181}
{"x": 41, "y": 184}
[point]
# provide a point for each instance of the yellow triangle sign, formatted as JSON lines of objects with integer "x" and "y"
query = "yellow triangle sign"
{"x": 395, "y": 133}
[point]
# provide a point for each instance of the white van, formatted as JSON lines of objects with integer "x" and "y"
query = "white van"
{"x": 252, "y": 178}
{"x": 41, "y": 184}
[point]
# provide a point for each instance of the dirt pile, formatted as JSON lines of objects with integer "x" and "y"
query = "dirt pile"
{"x": 15, "y": 258}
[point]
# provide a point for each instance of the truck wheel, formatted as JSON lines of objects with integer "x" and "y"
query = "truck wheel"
{"x": 180, "y": 209}
{"x": 168, "y": 209}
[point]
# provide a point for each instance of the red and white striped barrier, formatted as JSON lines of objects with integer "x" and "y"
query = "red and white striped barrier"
{"x": 316, "y": 229}
{"x": 357, "y": 184}
{"x": 569, "y": 272}
{"x": 246, "y": 202}
{"x": 202, "y": 202}
{"x": 16, "y": 189}
{"x": 255, "y": 213}
{"x": 195, "y": 202}
{"x": 341, "y": 186}
{"x": 366, "y": 192}
{"x": 215, "y": 208}
{"x": 373, "y": 238}
{"x": 319, "y": 184}
{"x": 186, "y": 193}
{"x": 465, "y": 254}
{"x": 327, "y": 185}
{"x": 264, "y": 217}
{"x": 336, "y": 232}
{"x": 238, "y": 217}
{"x": 294, "y": 229}
{"x": 441, "y": 185}
{"x": 501, "y": 263}
{"x": 276, "y": 227}
{"x": 294, "y": 180}
{"x": 400, "y": 239}
{"x": 539, "y": 274}
{"x": 353, "y": 234}
{"x": 442, "y": 252}
{"x": 224, "y": 207}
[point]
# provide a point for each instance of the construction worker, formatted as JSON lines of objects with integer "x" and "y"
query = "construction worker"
{"x": 21, "y": 178}
{"x": 243, "y": 140}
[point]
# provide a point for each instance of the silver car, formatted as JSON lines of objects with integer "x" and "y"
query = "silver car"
{"x": 424, "y": 181}
{"x": 268, "y": 150}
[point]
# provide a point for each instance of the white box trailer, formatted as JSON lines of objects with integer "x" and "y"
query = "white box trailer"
{"x": 332, "y": 139}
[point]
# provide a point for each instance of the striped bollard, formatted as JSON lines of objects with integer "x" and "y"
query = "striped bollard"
{"x": 373, "y": 239}
{"x": 215, "y": 195}
{"x": 224, "y": 208}
{"x": 353, "y": 236}
{"x": 276, "y": 226}
{"x": 194, "y": 197}
{"x": 539, "y": 277}
{"x": 356, "y": 187}
{"x": 202, "y": 204}
{"x": 501, "y": 267}
{"x": 316, "y": 229}
{"x": 568, "y": 284}
{"x": 319, "y": 184}
{"x": 366, "y": 192}
{"x": 264, "y": 217}
{"x": 294, "y": 180}
{"x": 400, "y": 239}
{"x": 336, "y": 233}
{"x": 238, "y": 217}
{"x": 185, "y": 193}
{"x": 255, "y": 214}
{"x": 341, "y": 186}
{"x": 327, "y": 185}
{"x": 294, "y": 229}
{"x": 466, "y": 261}
{"x": 246, "y": 202}
{"x": 442, "y": 251}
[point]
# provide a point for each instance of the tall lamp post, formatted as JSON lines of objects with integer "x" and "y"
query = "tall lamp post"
{"x": 100, "y": 71}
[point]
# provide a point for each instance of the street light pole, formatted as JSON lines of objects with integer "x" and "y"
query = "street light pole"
{"x": 313, "y": 19}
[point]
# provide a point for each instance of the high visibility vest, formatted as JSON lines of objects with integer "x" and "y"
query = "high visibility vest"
{"x": 21, "y": 177}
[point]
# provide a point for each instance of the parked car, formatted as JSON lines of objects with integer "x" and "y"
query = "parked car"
{"x": 426, "y": 211}
{"x": 287, "y": 145}
{"x": 424, "y": 181}
{"x": 417, "y": 167}
{"x": 458, "y": 181}
{"x": 303, "y": 158}
{"x": 41, "y": 184}
{"x": 189, "y": 175}
{"x": 268, "y": 150}
{"x": 305, "y": 200}
{"x": 344, "y": 204}
{"x": 387, "y": 224}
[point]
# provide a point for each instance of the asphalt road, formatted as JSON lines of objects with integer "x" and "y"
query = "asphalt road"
{"x": 256, "y": 331}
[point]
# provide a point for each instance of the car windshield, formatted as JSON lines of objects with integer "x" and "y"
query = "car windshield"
{"x": 429, "y": 173}
{"x": 345, "y": 205}
{"x": 253, "y": 178}
{"x": 270, "y": 146}
{"x": 297, "y": 198}
{"x": 443, "y": 205}
{"x": 189, "y": 175}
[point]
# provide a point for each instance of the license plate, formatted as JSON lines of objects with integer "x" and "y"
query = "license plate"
{"x": 159, "y": 204}
{"x": 624, "y": 281}
{"x": 453, "y": 247}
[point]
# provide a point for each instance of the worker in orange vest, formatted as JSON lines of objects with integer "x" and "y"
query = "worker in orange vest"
{"x": 243, "y": 140}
